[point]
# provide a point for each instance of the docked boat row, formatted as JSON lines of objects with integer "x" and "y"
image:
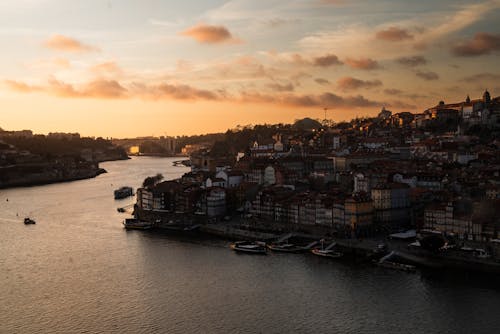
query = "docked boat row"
{"x": 258, "y": 247}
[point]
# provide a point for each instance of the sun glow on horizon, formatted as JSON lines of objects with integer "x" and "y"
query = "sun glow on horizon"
{"x": 192, "y": 68}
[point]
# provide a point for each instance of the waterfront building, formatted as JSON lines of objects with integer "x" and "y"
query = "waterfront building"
{"x": 391, "y": 202}
{"x": 358, "y": 212}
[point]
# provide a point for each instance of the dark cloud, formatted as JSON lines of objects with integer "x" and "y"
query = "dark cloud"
{"x": 393, "y": 91}
{"x": 327, "y": 60}
{"x": 412, "y": 61}
{"x": 394, "y": 34}
{"x": 281, "y": 88}
{"x": 400, "y": 105}
{"x": 350, "y": 83}
{"x": 322, "y": 81}
{"x": 331, "y": 100}
{"x": 178, "y": 92}
{"x": 427, "y": 75}
{"x": 362, "y": 63}
{"x": 481, "y": 44}
{"x": 482, "y": 77}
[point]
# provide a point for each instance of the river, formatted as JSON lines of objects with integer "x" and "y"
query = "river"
{"x": 78, "y": 271}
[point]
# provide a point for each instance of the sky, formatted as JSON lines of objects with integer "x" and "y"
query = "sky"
{"x": 138, "y": 68}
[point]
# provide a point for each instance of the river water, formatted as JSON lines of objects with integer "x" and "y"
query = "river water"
{"x": 78, "y": 271}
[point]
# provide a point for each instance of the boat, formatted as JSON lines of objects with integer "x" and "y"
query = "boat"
{"x": 124, "y": 192}
{"x": 28, "y": 221}
{"x": 120, "y": 209}
{"x": 253, "y": 247}
{"x": 135, "y": 224}
{"x": 326, "y": 253}
{"x": 285, "y": 247}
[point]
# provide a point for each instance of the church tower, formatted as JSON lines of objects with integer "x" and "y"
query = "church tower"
{"x": 486, "y": 97}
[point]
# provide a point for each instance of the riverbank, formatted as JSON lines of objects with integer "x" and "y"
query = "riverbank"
{"x": 362, "y": 249}
{"x": 50, "y": 177}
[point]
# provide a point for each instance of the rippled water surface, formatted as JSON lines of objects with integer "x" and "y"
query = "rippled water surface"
{"x": 78, "y": 271}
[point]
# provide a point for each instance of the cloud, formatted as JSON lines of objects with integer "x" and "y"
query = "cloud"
{"x": 482, "y": 77}
{"x": 281, "y": 88}
{"x": 106, "y": 89}
{"x": 210, "y": 34}
{"x": 327, "y": 60}
{"x": 278, "y": 22}
{"x": 350, "y": 83}
{"x": 400, "y": 105}
{"x": 109, "y": 67}
{"x": 67, "y": 44}
{"x": 110, "y": 89}
{"x": 481, "y": 44}
{"x": 362, "y": 63}
{"x": 322, "y": 81}
{"x": 327, "y": 99}
{"x": 427, "y": 75}
{"x": 21, "y": 87}
{"x": 174, "y": 91}
{"x": 412, "y": 61}
{"x": 393, "y": 34}
{"x": 393, "y": 91}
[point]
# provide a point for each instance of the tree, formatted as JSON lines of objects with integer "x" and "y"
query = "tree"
{"x": 151, "y": 181}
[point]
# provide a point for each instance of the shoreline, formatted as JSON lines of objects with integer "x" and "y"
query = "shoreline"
{"x": 41, "y": 182}
{"x": 357, "y": 249}
{"x": 31, "y": 180}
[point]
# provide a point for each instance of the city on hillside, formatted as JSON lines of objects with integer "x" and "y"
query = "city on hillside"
{"x": 435, "y": 171}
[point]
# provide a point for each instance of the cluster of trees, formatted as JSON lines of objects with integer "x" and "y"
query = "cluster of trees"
{"x": 48, "y": 146}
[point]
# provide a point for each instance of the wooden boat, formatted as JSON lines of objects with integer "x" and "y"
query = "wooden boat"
{"x": 286, "y": 248}
{"x": 252, "y": 247}
{"x": 134, "y": 224}
{"x": 326, "y": 253}
{"x": 123, "y": 192}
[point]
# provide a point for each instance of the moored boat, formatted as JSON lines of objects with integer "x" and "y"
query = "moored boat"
{"x": 29, "y": 221}
{"x": 123, "y": 192}
{"x": 134, "y": 224}
{"x": 285, "y": 247}
{"x": 326, "y": 253}
{"x": 252, "y": 247}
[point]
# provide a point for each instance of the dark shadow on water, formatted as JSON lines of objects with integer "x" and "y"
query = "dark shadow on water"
{"x": 460, "y": 278}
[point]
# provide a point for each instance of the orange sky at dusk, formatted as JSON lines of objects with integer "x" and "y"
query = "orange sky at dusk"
{"x": 138, "y": 68}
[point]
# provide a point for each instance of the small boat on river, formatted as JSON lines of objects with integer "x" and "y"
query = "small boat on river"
{"x": 29, "y": 221}
{"x": 252, "y": 247}
{"x": 135, "y": 224}
{"x": 123, "y": 192}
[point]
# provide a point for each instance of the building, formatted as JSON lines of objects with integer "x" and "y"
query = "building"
{"x": 358, "y": 212}
{"x": 391, "y": 202}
